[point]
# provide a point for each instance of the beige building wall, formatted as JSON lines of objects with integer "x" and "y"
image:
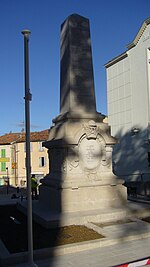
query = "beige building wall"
{"x": 4, "y": 172}
{"x": 15, "y": 162}
{"x": 39, "y": 161}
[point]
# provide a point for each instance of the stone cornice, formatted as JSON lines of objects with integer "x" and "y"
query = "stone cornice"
{"x": 130, "y": 45}
{"x": 139, "y": 34}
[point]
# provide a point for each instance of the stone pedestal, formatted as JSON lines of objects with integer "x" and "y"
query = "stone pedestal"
{"x": 79, "y": 144}
{"x": 81, "y": 178}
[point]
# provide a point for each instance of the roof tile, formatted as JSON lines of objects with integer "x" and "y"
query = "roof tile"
{"x": 21, "y": 137}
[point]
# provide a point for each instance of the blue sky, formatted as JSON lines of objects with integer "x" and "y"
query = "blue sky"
{"x": 113, "y": 24}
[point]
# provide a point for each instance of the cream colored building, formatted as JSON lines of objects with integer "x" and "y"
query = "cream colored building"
{"x": 13, "y": 157}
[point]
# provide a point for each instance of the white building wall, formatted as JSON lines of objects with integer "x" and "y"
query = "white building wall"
{"x": 119, "y": 97}
{"x": 139, "y": 64}
{"x": 128, "y": 91}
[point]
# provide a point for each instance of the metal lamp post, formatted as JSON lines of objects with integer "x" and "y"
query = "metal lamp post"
{"x": 15, "y": 158}
{"x": 14, "y": 152}
{"x": 28, "y": 98}
{"x": 7, "y": 180}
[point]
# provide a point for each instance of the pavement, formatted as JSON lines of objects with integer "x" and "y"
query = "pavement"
{"x": 114, "y": 255}
{"x": 125, "y": 244}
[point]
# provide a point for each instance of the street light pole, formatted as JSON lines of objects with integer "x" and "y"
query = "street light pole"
{"x": 28, "y": 98}
{"x": 7, "y": 180}
{"x": 15, "y": 165}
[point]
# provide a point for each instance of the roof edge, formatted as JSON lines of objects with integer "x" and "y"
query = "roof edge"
{"x": 116, "y": 59}
{"x": 139, "y": 34}
{"x": 130, "y": 45}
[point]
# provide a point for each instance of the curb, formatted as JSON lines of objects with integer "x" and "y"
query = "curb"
{"x": 6, "y": 258}
{"x": 136, "y": 263}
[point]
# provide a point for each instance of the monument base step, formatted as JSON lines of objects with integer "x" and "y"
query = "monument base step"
{"x": 51, "y": 220}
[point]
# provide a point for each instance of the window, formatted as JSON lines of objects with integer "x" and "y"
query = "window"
{"x": 40, "y": 147}
{"x": 42, "y": 161}
{"x": 3, "y": 166}
{"x": 3, "y": 153}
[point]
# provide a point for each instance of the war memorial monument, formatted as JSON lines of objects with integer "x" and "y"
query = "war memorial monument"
{"x": 80, "y": 178}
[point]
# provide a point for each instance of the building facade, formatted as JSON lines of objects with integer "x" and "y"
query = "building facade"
{"x": 13, "y": 157}
{"x": 128, "y": 91}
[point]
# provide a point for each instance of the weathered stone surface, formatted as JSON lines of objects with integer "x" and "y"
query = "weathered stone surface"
{"x": 79, "y": 143}
{"x": 77, "y": 92}
{"x": 81, "y": 169}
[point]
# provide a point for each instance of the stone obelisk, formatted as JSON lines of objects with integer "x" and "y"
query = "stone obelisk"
{"x": 76, "y": 81}
{"x": 79, "y": 143}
